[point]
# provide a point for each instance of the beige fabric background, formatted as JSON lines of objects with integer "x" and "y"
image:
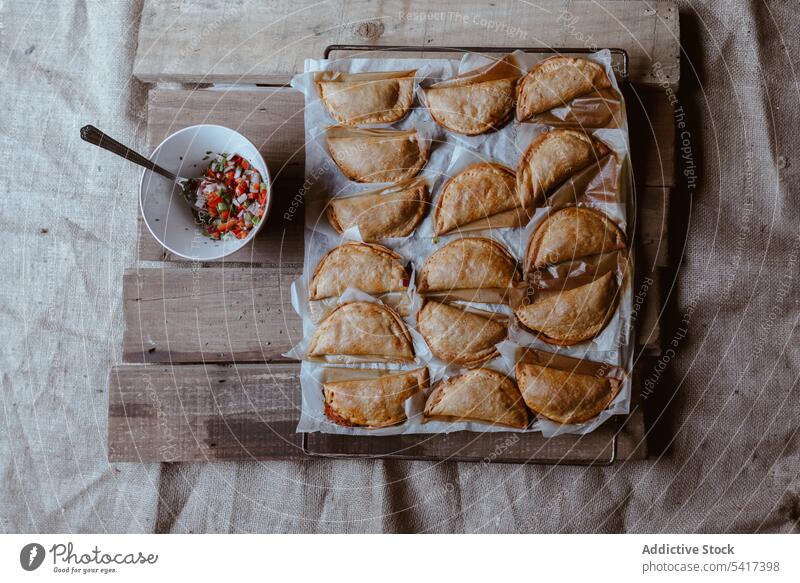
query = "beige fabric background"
{"x": 68, "y": 232}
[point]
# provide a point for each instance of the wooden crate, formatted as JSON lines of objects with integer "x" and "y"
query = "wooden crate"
{"x": 197, "y": 384}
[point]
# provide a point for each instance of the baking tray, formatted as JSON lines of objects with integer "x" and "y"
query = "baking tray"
{"x": 466, "y": 446}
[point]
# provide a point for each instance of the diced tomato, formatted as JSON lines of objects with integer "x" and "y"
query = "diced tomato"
{"x": 241, "y": 187}
{"x": 212, "y": 202}
{"x": 228, "y": 225}
{"x": 244, "y": 164}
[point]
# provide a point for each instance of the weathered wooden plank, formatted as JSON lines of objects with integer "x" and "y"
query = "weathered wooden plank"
{"x": 652, "y": 133}
{"x": 648, "y": 289}
{"x": 190, "y": 41}
{"x": 200, "y": 413}
{"x": 209, "y": 315}
{"x": 652, "y": 228}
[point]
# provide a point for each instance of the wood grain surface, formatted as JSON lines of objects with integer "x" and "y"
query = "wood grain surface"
{"x": 177, "y": 39}
{"x": 201, "y": 315}
{"x": 211, "y": 412}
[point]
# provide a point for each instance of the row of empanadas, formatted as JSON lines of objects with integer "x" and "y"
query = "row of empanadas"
{"x": 565, "y": 317}
{"x": 480, "y": 196}
{"x": 472, "y": 103}
{"x": 482, "y": 100}
{"x": 563, "y": 396}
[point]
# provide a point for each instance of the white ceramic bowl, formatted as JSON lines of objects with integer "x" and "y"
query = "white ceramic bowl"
{"x": 167, "y": 214}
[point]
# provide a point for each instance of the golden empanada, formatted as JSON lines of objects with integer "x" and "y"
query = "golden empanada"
{"x": 393, "y": 211}
{"x": 373, "y": 269}
{"x": 475, "y": 196}
{"x": 475, "y": 102}
{"x": 469, "y": 263}
{"x": 551, "y": 159}
{"x": 564, "y": 396}
{"x": 481, "y": 394}
{"x": 363, "y": 331}
{"x": 372, "y": 402}
{"x": 460, "y": 336}
{"x": 570, "y": 234}
{"x": 366, "y": 98}
{"x": 555, "y": 82}
{"x": 376, "y": 155}
{"x": 573, "y": 315}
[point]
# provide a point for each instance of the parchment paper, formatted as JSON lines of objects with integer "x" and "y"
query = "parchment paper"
{"x": 604, "y": 187}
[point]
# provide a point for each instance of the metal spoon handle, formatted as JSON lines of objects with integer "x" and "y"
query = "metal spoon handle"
{"x": 94, "y": 136}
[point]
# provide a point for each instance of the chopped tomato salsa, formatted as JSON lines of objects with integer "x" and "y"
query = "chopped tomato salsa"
{"x": 229, "y": 198}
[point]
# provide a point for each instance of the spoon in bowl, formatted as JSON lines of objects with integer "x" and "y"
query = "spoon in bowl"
{"x": 94, "y": 136}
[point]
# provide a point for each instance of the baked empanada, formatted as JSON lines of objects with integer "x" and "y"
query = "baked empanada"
{"x": 373, "y": 269}
{"x": 481, "y": 394}
{"x": 573, "y": 315}
{"x": 476, "y": 196}
{"x": 366, "y": 98}
{"x": 469, "y": 263}
{"x": 551, "y": 159}
{"x": 477, "y": 101}
{"x": 363, "y": 331}
{"x": 570, "y": 234}
{"x": 393, "y": 211}
{"x": 564, "y": 396}
{"x": 555, "y": 82}
{"x": 459, "y": 336}
{"x": 372, "y": 402}
{"x": 376, "y": 155}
